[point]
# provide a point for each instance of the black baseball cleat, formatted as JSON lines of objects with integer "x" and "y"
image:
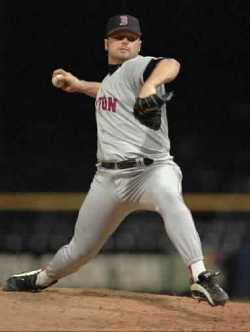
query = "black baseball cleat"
{"x": 207, "y": 289}
{"x": 24, "y": 282}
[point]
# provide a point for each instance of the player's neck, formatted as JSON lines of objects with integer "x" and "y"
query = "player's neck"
{"x": 113, "y": 67}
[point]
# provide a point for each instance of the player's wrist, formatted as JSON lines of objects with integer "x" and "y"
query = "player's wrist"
{"x": 147, "y": 89}
{"x": 77, "y": 85}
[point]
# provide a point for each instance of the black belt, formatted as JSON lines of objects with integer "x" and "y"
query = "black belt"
{"x": 127, "y": 163}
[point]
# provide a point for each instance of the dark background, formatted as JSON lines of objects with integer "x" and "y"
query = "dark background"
{"x": 48, "y": 137}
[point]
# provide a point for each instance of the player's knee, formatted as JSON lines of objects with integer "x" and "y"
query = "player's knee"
{"x": 171, "y": 201}
{"x": 167, "y": 195}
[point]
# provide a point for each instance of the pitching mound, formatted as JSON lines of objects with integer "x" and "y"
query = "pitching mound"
{"x": 61, "y": 309}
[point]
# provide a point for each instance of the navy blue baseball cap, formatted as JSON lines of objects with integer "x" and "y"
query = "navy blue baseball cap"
{"x": 123, "y": 23}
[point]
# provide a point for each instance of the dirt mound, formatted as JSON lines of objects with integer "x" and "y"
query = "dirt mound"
{"x": 63, "y": 309}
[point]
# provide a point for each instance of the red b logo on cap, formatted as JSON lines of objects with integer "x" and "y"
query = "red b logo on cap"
{"x": 123, "y": 20}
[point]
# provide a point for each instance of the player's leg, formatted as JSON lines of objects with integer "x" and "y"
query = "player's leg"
{"x": 99, "y": 216}
{"x": 163, "y": 188}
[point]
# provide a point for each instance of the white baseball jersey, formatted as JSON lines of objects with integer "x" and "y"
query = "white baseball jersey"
{"x": 120, "y": 135}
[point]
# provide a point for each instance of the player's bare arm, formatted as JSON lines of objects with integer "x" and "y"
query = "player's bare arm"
{"x": 164, "y": 72}
{"x": 69, "y": 83}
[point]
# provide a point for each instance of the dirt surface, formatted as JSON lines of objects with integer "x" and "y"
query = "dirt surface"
{"x": 63, "y": 309}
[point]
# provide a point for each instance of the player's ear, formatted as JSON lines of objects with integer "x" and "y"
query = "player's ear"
{"x": 139, "y": 46}
{"x": 106, "y": 44}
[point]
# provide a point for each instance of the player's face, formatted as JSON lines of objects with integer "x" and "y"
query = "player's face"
{"x": 122, "y": 46}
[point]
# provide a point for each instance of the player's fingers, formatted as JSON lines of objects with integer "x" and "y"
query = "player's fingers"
{"x": 59, "y": 81}
{"x": 67, "y": 89}
{"x": 59, "y": 71}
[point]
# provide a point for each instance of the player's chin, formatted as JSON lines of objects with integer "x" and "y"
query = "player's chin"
{"x": 124, "y": 56}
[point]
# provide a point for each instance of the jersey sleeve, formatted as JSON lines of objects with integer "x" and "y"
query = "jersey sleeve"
{"x": 134, "y": 71}
{"x": 150, "y": 67}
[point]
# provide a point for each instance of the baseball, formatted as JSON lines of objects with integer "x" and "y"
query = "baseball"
{"x": 58, "y": 81}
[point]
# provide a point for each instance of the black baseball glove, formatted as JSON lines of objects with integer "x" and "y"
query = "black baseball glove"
{"x": 148, "y": 110}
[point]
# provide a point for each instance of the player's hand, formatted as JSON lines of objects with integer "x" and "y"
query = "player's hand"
{"x": 147, "y": 90}
{"x": 65, "y": 80}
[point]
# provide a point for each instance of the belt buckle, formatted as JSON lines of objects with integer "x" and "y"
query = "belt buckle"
{"x": 140, "y": 162}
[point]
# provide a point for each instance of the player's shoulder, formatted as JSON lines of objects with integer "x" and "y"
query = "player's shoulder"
{"x": 138, "y": 60}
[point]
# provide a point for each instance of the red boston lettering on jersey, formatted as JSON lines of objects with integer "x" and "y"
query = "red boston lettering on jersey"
{"x": 106, "y": 104}
{"x": 112, "y": 102}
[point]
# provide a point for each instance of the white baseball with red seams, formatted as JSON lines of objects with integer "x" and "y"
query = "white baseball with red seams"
{"x": 116, "y": 193}
{"x": 58, "y": 81}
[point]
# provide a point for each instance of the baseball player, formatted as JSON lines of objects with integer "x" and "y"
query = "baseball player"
{"x": 135, "y": 170}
